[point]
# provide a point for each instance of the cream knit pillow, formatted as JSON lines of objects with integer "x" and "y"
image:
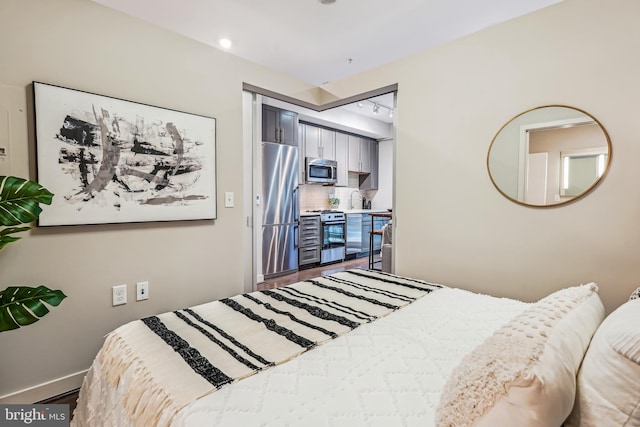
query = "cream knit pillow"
{"x": 608, "y": 382}
{"x": 525, "y": 373}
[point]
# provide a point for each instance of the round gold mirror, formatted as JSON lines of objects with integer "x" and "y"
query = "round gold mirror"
{"x": 549, "y": 155}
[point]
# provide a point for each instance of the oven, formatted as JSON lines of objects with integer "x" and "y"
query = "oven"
{"x": 333, "y": 237}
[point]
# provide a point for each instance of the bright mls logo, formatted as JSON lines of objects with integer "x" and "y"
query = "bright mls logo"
{"x": 34, "y": 415}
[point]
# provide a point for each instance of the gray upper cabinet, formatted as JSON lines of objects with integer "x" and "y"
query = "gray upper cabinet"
{"x": 353, "y": 154}
{"x": 279, "y": 125}
{"x": 369, "y": 181}
{"x": 319, "y": 142}
{"x": 342, "y": 155}
{"x": 359, "y": 154}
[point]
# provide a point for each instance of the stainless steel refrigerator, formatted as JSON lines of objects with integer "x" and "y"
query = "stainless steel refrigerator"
{"x": 280, "y": 209}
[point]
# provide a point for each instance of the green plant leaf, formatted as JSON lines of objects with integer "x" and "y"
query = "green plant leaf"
{"x": 20, "y": 200}
{"x": 24, "y": 305}
{"x": 5, "y": 237}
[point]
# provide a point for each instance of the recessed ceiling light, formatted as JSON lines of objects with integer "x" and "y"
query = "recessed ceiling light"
{"x": 327, "y": 1}
{"x": 225, "y": 43}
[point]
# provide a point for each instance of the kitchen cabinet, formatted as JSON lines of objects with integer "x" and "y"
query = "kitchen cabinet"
{"x": 309, "y": 242}
{"x": 319, "y": 142}
{"x": 353, "y": 154}
{"x": 359, "y": 154}
{"x": 370, "y": 181}
{"x": 280, "y": 126}
{"x": 342, "y": 156}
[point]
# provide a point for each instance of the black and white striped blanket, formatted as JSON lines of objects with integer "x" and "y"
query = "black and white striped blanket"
{"x": 162, "y": 363}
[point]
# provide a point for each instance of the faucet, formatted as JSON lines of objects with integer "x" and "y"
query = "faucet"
{"x": 359, "y": 198}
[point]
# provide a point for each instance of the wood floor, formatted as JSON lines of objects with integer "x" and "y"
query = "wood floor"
{"x": 71, "y": 397}
{"x": 313, "y": 272}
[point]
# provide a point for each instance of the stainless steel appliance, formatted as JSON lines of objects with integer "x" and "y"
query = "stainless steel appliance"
{"x": 355, "y": 243}
{"x": 333, "y": 237}
{"x": 321, "y": 171}
{"x": 280, "y": 209}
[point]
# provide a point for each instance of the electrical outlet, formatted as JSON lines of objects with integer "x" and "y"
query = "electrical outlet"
{"x": 142, "y": 291}
{"x": 119, "y": 295}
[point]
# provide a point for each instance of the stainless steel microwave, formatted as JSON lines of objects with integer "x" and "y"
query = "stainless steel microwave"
{"x": 321, "y": 171}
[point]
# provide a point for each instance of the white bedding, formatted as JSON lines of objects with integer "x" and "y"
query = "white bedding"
{"x": 387, "y": 373}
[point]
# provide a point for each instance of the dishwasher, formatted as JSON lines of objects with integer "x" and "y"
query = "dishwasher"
{"x": 355, "y": 243}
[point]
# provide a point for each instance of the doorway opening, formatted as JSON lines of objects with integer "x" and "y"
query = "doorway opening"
{"x": 371, "y": 116}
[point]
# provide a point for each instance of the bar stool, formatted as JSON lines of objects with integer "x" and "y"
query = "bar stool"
{"x": 372, "y": 234}
{"x": 372, "y": 260}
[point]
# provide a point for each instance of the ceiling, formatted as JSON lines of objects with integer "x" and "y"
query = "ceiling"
{"x": 319, "y": 43}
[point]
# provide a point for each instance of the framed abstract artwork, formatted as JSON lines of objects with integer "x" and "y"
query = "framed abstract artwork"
{"x": 109, "y": 160}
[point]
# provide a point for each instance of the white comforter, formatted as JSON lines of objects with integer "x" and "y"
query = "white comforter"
{"x": 387, "y": 373}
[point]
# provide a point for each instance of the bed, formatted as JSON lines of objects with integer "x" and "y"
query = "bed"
{"x": 358, "y": 347}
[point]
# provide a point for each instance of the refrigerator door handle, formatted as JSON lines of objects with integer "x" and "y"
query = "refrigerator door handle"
{"x": 296, "y": 208}
{"x": 296, "y": 234}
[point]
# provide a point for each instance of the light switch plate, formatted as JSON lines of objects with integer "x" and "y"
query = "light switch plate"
{"x": 142, "y": 291}
{"x": 228, "y": 199}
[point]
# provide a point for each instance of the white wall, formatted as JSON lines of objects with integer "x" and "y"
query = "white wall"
{"x": 82, "y": 45}
{"x": 452, "y": 226}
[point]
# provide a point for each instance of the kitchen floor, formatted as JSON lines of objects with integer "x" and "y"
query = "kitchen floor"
{"x": 310, "y": 273}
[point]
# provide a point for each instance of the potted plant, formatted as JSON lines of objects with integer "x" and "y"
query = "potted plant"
{"x": 333, "y": 202}
{"x": 19, "y": 205}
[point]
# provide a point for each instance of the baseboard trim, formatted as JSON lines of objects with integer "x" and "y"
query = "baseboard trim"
{"x": 57, "y": 398}
{"x": 45, "y": 390}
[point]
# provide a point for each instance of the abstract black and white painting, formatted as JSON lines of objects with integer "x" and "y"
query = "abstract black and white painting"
{"x": 108, "y": 160}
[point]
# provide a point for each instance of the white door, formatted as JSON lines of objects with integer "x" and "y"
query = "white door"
{"x": 536, "y": 188}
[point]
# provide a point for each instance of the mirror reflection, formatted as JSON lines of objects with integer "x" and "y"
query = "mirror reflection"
{"x": 549, "y": 155}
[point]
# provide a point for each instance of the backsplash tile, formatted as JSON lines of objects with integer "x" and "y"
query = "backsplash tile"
{"x": 315, "y": 197}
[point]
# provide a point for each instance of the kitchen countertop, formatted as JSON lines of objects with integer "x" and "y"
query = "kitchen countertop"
{"x": 348, "y": 211}
{"x": 365, "y": 211}
{"x": 305, "y": 213}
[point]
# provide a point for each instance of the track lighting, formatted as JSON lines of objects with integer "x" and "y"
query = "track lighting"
{"x": 376, "y": 107}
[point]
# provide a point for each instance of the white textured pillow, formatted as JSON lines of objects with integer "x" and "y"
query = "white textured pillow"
{"x": 609, "y": 379}
{"x": 525, "y": 373}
